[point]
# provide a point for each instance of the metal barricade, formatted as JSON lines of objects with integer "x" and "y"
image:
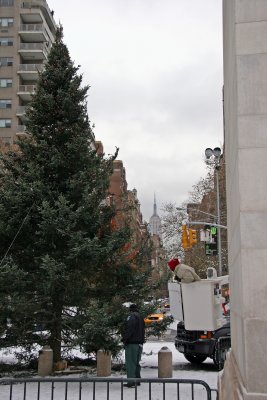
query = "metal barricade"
{"x": 94, "y": 388}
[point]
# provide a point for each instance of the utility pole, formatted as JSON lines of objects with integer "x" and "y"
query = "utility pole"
{"x": 218, "y": 220}
{"x": 213, "y": 157}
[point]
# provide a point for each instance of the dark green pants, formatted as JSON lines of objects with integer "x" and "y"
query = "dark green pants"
{"x": 133, "y": 353}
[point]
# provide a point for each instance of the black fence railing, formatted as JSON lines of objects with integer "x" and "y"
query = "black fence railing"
{"x": 105, "y": 389}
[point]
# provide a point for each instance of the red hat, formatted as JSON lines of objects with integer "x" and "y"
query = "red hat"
{"x": 173, "y": 263}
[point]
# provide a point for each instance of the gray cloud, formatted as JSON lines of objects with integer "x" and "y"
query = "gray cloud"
{"x": 155, "y": 71}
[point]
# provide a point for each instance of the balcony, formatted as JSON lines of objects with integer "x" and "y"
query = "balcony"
{"x": 33, "y": 33}
{"x": 42, "y": 5}
{"x": 21, "y": 113}
{"x": 30, "y": 71}
{"x": 25, "y": 92}
{"x": 21, "y": 130}
{"x": 30, "y": 51}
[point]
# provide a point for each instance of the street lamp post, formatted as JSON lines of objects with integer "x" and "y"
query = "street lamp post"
{"x": 214, "y": 156}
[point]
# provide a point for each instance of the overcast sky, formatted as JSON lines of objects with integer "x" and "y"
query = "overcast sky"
{"x": 155, "y": 72}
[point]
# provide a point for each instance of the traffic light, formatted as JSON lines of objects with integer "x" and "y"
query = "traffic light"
{"x": 185, "y": 239}
{"x": 211, "y": 248}
{"x": 213, "y": 234}
{"x": 192, "y": 237}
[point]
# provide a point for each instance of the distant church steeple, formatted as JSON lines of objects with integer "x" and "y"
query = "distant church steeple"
{"x": 155, "y": 222}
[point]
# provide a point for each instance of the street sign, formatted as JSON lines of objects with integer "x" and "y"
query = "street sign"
{"x": 204, "y": 235}
{"x": 209, "y": 236}
{"x": 211, "y": 249}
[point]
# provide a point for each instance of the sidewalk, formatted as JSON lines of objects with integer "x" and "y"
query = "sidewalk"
{"x": 182, "y": 369}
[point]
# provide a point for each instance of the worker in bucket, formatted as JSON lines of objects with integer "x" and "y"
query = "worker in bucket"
{"x": 182, "y": 272}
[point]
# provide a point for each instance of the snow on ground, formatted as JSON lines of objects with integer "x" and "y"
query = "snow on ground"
{"x": 182, "y": 369}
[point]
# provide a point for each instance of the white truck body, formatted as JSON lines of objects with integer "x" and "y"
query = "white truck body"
{"x": 198, "y": 304}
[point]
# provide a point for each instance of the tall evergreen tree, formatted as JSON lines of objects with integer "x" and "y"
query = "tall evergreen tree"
{"x": 55, "y": 234}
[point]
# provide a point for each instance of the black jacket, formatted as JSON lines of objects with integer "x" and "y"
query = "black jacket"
{"x": 134, "y": 329}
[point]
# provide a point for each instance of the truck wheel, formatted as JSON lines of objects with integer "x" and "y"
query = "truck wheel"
{"x": 195, "y": 358}
{"x": 220, "y": 351}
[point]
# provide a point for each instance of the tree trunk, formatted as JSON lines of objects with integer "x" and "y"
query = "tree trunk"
{"x": 56, "y": 334}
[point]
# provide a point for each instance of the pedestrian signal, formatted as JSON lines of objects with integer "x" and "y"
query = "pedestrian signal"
{"x": 213, "y": 234}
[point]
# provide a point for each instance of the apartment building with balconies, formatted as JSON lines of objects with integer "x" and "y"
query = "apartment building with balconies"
{"x": 27, "y": 31}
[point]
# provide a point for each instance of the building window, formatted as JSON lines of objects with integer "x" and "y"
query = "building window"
{"x": 5, "y": 123}
{"x": 5, "y": 83}
{"x": 6, "y": 3}
{"x": 6, "y": 61}
{"x": 6, "y": 42}
{"x": 5, "y": 103}
{"x": 6, "y": 22}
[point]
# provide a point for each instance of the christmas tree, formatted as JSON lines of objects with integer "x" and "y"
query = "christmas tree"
{"x": 60, "y": 256}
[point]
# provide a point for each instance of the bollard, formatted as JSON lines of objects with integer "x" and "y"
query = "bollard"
{"x": 165, "y": 363}
{"x": 103, "y": 361}
{"x": 45, "y": 361}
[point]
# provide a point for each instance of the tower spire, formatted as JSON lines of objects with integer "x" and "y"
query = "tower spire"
{"x": 155, "y": 205}
{"x": 154, "y": 222}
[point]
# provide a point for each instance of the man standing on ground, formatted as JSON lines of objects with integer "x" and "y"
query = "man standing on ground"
{"x": 133, "y": 338}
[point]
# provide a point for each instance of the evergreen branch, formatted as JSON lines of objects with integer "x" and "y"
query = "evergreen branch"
{"x": 11, "y": 244}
